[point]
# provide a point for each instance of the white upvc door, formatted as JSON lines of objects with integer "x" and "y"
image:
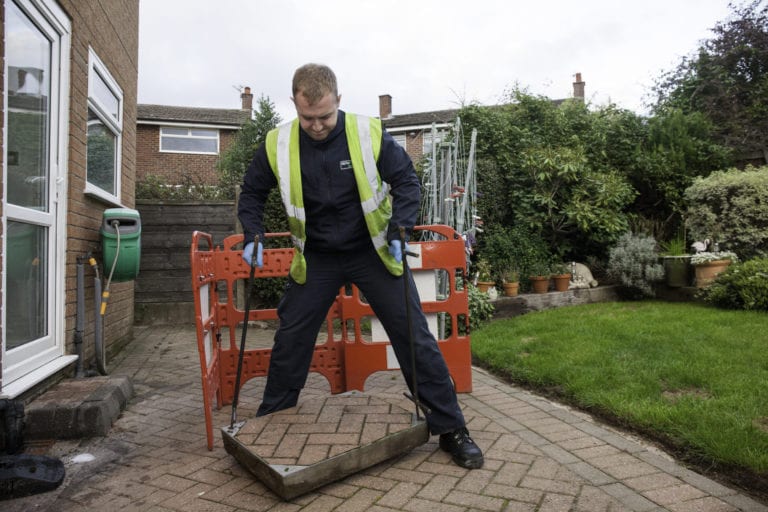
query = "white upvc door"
{"x": 37, "y": 40}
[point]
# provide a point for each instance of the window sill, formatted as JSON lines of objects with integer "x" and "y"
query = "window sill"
{"x": 103, "y": 198}
{"x": 35, "y": 377}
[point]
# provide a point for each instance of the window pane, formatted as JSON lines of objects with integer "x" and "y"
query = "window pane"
{"x": 105, "y": 96}
{"x": 101, "y": 154}
{"x": 26, "y": 280}
{"x": 173, "y": 131}
{"x": 203, "y": 133}
{"x": 188, "y": 145}
{"x": 28, "y": 57}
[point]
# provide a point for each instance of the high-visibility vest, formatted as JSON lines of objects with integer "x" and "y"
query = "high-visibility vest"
{"x": 364, "y": 140}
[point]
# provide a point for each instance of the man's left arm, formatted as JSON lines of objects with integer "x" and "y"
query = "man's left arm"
{"x": 396, "y": 169}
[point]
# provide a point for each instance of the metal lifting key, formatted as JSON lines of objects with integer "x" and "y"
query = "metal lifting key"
{"x": 407, "y": 290}
{"x": 247, "y": 312}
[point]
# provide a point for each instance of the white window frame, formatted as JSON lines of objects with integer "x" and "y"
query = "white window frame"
{"x": 189, "y": 135}
{"x": 97, "y": 69}
{"x": 401, "y": 139}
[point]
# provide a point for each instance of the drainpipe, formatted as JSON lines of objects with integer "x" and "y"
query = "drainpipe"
{"x": 80, "y": 317}
{"x": 98, "y": 320}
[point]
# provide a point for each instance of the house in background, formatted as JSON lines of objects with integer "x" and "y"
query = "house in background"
{"x": 414, "y": 131}
{"x": 182, "y": 145}
{"x": 69, "y": 78}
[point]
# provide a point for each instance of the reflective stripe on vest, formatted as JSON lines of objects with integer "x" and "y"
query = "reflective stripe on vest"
{"x": 364, "y": 140}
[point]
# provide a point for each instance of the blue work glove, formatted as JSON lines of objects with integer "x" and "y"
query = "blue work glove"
{"x": 248, "y": 254}
{"x": 396, "y": 250}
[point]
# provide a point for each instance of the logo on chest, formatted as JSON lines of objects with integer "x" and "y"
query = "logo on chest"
{"x": 345, "y": 165}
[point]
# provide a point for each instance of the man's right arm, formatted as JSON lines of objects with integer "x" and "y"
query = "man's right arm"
{"x": 257, "y": 182}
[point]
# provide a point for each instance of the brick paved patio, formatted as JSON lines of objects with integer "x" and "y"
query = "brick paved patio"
{"x": 540, "y": 456}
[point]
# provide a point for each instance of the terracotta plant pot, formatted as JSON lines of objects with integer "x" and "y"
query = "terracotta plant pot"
{"x": 707, "y": 272}
{"x": 511, "y": 289}
{"x": 562, "y": 282}
{"x": 484, "y": 286}
{"x": 540, "y": 284}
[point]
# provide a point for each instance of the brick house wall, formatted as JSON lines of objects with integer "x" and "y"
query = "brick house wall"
{"x": 176, "y": 168}
{"x": 111, "y": 29}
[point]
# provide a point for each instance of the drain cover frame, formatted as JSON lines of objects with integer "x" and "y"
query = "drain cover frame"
{"x": 368, "y": 430}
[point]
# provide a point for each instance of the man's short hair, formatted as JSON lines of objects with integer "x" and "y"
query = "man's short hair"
{"x": 314, "y": 81}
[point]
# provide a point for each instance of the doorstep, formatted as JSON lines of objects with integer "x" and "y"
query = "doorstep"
{"x": 77, "y": 408}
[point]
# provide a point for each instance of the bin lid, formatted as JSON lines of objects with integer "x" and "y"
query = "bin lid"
{"x": 120, "y": 213}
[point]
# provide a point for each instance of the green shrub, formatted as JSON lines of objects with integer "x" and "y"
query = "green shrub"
{"x": 191, "y": 188}
{"x": 480, "y": 308}
{"x": 634, "y": 262}
{"x": 514, "y": 247}
{"x": 741, "y": 286}
{"x": 731, "y": 207}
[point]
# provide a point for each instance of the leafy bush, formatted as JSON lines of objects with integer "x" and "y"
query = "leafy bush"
{"x": 234, "y": 161}
{"x": 153, "y": 186}
{"x": 480, "y": 308}
{"x": 514, "y": 248}
{"x": 731, "y": 207}
{"x": 634, "y": 262}
{"x": 741, "y": 286}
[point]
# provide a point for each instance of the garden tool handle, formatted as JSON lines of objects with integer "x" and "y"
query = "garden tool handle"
{"x": 247, "y": 308}
{"x": 409, "y": 321}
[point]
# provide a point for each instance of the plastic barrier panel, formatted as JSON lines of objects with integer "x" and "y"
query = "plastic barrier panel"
{"x": 355, "y": 346}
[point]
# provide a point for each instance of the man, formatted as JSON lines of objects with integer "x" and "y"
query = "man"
{"x": 334, "y": 170}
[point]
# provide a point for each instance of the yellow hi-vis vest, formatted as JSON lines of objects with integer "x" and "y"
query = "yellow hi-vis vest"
{"x": 364, "y": 140}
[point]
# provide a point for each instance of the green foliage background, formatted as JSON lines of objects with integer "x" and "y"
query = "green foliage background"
{"x": 731, "y": 207}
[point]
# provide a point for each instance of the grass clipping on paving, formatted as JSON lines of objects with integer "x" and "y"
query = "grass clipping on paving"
{"x": 688, "y": 375}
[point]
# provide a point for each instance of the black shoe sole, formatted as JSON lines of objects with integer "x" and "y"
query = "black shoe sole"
{"x": 465, "y": 463}
{"x": 469, "y": 464}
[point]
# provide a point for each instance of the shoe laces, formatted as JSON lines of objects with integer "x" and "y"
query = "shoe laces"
{"x": 461, "y": 436}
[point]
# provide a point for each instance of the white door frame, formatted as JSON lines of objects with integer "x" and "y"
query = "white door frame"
{"x": 27, "y": 365}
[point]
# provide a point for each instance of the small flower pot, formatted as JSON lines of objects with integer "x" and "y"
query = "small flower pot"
{"x": 511, "y": 289}
{"x": 540, "y": 284}
{"x": 484, "y": 286}
{"x": 562, "y": 282}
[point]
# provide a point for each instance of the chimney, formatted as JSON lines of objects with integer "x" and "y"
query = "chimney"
{"x": 247, "y": 99}
{"x": 385, "y": 106}
{"x": 578, "y": 88}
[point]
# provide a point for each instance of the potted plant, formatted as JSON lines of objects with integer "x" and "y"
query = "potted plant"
{"x": 676, "y": 262}
{"x": 510, "y": 280}
{"x": 561, "y": 276}
{"x": 483, "y": 281}
{"x": 707, "y": 265}
{"x": 539, "y": 277}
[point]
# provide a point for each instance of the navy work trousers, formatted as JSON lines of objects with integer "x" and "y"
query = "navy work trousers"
{"x": 303, "y": 309}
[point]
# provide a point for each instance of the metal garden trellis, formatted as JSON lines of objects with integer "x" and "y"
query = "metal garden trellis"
{"x": 450, "y": 190}
{"x": 450, "y": 183}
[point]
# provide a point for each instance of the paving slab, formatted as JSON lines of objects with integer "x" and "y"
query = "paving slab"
{"x": 299, "y": 449}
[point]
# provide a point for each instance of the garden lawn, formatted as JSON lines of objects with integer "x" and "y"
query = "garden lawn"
{"x": 686, "y": 374}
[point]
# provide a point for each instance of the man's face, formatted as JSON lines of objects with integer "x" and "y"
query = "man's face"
{"x": 319, "y": 118}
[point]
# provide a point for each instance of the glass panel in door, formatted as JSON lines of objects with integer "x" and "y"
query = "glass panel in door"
{"x": 28, "y": 312}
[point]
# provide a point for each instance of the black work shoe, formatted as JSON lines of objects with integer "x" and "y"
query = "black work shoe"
{"x": 462, "y": 448}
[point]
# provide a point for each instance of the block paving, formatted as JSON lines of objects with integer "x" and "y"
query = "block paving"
{"x": 539, "y": 455}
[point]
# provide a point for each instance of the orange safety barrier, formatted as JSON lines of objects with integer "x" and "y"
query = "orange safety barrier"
{"x": 346, "y": 359}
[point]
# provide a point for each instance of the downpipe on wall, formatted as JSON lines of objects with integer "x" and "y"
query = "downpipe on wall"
{"x": 80, "y": 371}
